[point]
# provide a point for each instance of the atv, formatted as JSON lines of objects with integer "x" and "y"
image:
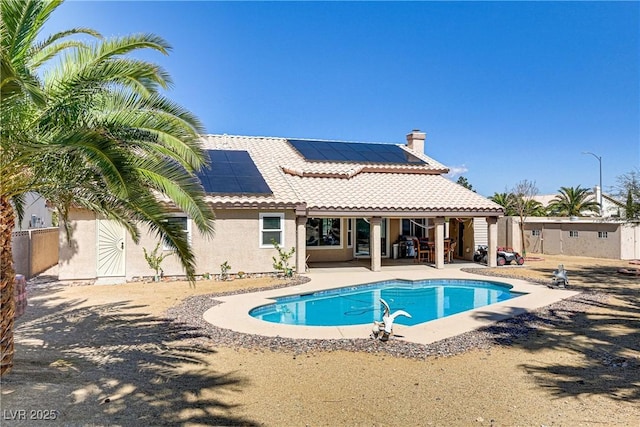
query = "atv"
{"x": 507, "y": 257}
{"x": 480, "y": 255}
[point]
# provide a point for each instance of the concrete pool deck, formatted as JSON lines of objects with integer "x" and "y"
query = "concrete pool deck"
{"x": 233, "y": 313}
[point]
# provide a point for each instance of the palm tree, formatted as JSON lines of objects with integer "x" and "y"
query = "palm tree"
{"x": 535, "y": 208}
{"x": 573, "y": 201}
{"x": 506, "y": 201}
{"x": 92, "y": 132}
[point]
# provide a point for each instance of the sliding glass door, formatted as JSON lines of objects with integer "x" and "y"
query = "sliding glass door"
{"x": 363, "y": 238}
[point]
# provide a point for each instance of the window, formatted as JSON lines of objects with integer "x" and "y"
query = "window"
{"x": 535, "y": 233}
{"x": 271, "y": 228}
{"x": 349, "y": 233}
{"x": 573, "y": 233}
{"x": 324, "y": 232}
{"x": 406, "y": 227}
{"x": 417, "y": 227}
{"x": 603, "y": 234}
{"x": 184, "y": 224}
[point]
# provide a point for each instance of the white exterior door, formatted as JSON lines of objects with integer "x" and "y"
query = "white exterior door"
{"x": 110, "y": 249}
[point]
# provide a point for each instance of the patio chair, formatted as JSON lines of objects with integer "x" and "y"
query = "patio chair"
{"x": 451, "y": 251}
{"x": 421, "y": 251}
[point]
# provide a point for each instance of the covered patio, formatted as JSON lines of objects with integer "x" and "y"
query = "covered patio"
{"x": 382, "y": 233}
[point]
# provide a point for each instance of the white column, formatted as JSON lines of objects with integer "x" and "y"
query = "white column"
{"x": 301, "y": 244}
{"x": 375, "y": 250}
{"x": 492, "y": 241}
{"x": 439, "y": 234}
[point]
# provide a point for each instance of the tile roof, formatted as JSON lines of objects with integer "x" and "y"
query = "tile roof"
{"x": 348, "y": 187}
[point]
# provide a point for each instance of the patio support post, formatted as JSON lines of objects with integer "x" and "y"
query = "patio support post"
{"x": 374, "y": 243}
{"x": 301, "y": 244}
{"x": 447, "y": 225}
{"x": 439, "y": 234}
{"x": 492, "y": 233}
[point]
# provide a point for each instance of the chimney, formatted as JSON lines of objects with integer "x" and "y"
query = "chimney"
{"x": 415, "y": 141}
{"x": 597, "y": 193}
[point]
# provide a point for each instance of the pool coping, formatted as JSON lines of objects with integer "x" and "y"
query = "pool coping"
{"x": 233, "y": 312}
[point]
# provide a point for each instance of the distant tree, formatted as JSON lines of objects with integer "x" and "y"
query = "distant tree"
{"x": 465, "y": 183}
{"x": 628, "y": 188}
{"x": 632, "y": 209}
{"x": 573, "y": 201}
{"x": 506, "y": 201}
{"x": 523, "y": 194}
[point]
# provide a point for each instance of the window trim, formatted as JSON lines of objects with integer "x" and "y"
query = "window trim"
{"x": 603, "y": 234}
{"x": 574, "y": 234}
{"x": 261, "y": 217}
{"x": 536, "y": 232}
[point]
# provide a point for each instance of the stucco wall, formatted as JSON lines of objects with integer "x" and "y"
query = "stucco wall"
{"x": 236, "y": 240}
{"x": 468, "y": 239}
{"x": 622, "y": 240}
{"x": 509, "y": 233}
{"x": 77, "y": 256}
{"x": 588, "y": 244}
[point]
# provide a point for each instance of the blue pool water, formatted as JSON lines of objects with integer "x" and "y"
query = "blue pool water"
{"x": 425, "y": 300}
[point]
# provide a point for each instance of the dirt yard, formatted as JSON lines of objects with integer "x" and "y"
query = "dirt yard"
{"x": 109, "y": 356}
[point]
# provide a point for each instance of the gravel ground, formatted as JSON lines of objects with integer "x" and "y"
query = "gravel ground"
{"x": 191, "y": 311}
{"x": 140, "y": 354}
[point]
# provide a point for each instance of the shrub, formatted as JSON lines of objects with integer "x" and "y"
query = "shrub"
{"x": 154, "y": 260}
{"x": 224, "y": 270}
{"x": 282, "y": 262}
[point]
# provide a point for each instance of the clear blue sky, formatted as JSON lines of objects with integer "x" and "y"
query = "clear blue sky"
{"x": 505, "y": 91}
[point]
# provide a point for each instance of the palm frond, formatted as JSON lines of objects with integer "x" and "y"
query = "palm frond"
{"x": 127, "y": 44}
{"x": 78, "y": 72}
{"x": 182, "y": 188}
{"x": 18, "y": 202}
{"x": 45, "y": 53}
{"x": 100, "y": 153}
{"x": 20, "y": 25}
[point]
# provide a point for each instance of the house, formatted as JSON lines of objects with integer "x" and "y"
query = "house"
{"x": 36, "y": 213}
{"x": 332, "y": 201}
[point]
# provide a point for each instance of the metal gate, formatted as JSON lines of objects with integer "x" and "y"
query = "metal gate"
{"x": 110, "y": 249}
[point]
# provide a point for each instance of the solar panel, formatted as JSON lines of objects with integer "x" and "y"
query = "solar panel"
{"x": 232, "y": 172}
{"x": 357, "y": 152}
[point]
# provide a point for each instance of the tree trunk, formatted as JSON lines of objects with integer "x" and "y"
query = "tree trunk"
{"x": 7, "y": 278}
{"x": 523, "y": 243}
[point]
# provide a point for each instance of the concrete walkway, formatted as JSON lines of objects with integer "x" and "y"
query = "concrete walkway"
{"x": 233, "y": 313}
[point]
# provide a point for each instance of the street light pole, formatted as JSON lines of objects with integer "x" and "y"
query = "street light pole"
{"x": 600, "y": 163}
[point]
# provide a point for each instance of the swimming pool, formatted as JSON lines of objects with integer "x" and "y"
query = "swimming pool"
{"x": 425, "y": 300}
